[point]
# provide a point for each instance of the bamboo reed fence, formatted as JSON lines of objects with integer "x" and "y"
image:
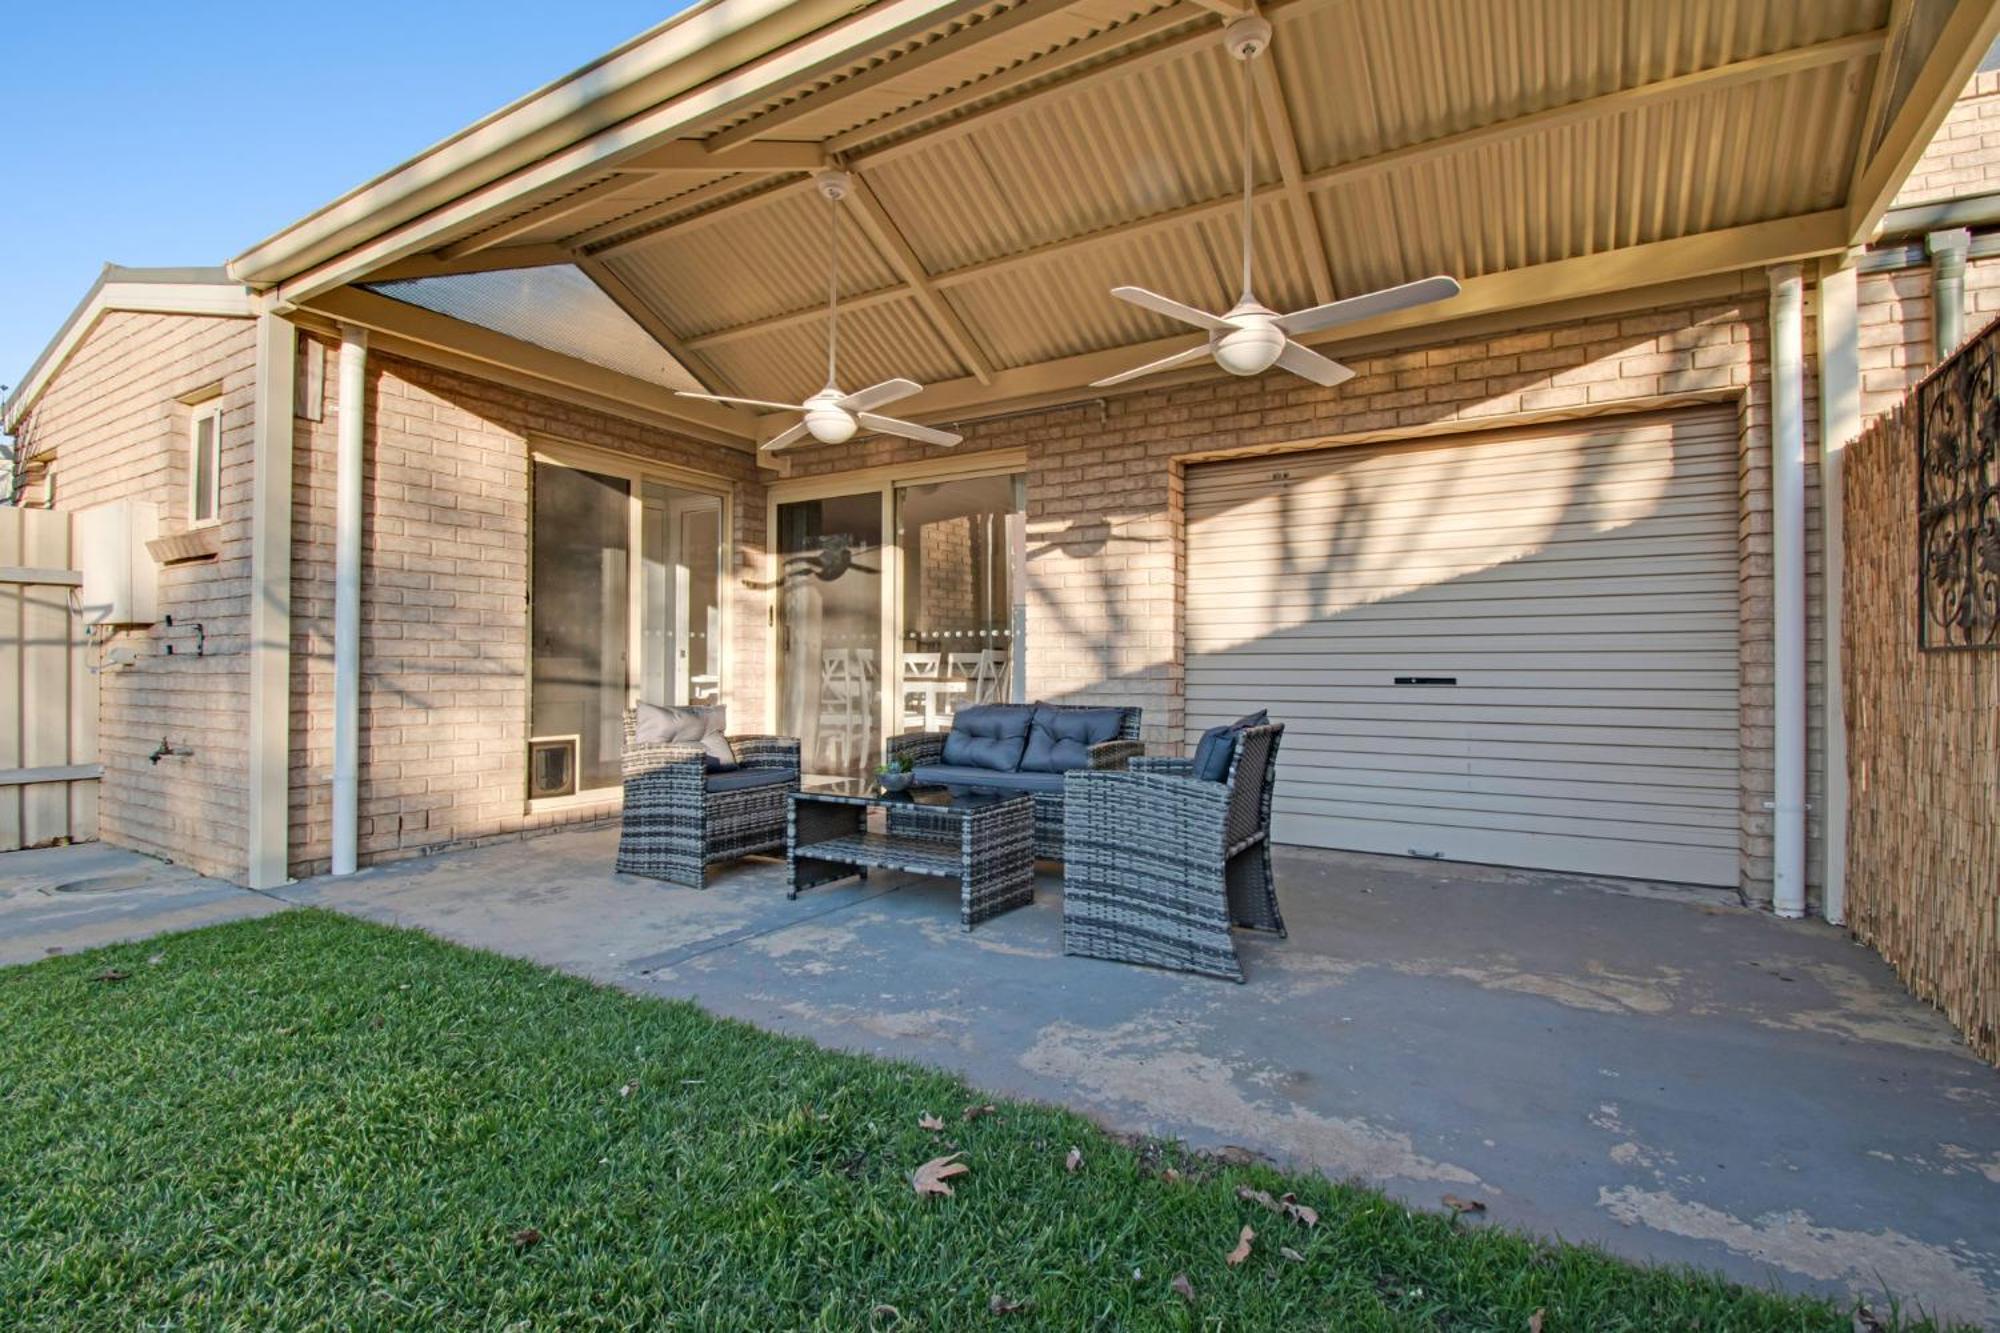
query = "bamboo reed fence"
{"x": 1923, "y": 861}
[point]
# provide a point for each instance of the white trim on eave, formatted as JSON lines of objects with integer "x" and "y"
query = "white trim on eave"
{"x": 141, "y": 291}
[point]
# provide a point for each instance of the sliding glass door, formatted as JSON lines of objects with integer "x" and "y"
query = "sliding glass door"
{"x": 625, "y": 603}
{"x": 896, "y": 605}
{"x": 956, "y": 543}
{"x": 580, "y": 638}
{"x": 829, "y": 614}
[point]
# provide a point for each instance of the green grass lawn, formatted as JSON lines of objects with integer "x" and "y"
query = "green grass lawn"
{"x": 307, "y": 1121}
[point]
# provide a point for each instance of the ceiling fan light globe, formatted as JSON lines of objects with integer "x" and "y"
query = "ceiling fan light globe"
{"x": 1249, "y": 351}
{"x": 830, "y": 425}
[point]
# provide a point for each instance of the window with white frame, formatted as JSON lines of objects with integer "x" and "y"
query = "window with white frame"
{"x": 205, "y": 464}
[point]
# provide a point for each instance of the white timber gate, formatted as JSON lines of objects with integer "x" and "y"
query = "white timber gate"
{"x": 1517, "y": 647}
{"x": 49, "y": 766}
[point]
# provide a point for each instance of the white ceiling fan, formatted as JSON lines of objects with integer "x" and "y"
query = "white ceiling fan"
{"x": 831, "y": 416}
{"x": 1251, "y": 337}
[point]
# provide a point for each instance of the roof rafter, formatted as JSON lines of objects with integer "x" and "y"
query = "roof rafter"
{"x": 646, "y": 317}
{"x": 485, "y": 261}
{"x": 1686, "y": 85}
{"x": 889, "y": 239}
{"x": 1963, "y": 43}
{"x": 1285, "y": 144}
{"x": 1686, "y": 257}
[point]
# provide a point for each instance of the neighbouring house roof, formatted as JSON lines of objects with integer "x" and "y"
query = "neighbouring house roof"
{"x": 170, "y": 291}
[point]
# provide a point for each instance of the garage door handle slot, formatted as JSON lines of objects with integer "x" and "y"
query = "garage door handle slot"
{"x": 1427, "y": 680}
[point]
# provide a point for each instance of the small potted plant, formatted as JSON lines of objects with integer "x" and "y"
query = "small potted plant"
{"x": 894, "y": 774}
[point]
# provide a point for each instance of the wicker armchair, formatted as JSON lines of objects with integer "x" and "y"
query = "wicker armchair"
{"x": 1161, "y": 864}
{"x": 927, "y": 747}
{"x": 679, "y": 819}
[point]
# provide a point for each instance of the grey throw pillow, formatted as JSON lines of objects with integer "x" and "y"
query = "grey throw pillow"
{"x": 655, "y": 725}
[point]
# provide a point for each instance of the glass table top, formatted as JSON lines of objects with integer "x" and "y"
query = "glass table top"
{"x": 866, "y": 791}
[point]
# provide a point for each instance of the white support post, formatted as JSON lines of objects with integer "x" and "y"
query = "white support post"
{"x": 1947, "y": 251}
{"x": 347, "y": 597}
{"x": 1788, "y": 573}
{"x": 270, "y": 741}
{"x": 1839, "y": 425}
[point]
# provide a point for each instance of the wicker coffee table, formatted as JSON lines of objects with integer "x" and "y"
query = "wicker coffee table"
{"x": 984, "y": 840}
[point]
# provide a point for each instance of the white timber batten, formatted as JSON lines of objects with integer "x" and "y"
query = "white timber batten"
{"x": 1788, "y": 578}
{"x": 271, "y": 604}
{"x": 1840, "y": 425}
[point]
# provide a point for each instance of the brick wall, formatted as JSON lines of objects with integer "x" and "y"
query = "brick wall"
{"x": 1964, "y": 156}
{"x": 1107, "y": 568}
{"x": 119, "y": 431}
{"x": 444, "y": 689}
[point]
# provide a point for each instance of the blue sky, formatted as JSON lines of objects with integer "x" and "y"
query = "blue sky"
{"x": 181, "y": 133}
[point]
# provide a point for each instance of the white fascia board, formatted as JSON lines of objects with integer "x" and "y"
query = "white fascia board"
{"x": 459, "y": 184}
{"x": 123, "y": 290}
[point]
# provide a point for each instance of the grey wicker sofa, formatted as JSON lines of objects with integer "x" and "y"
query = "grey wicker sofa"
{"x": 925, "y": 752}
{"x": 1162, "y": 863}
{"x": 680, "y": 819}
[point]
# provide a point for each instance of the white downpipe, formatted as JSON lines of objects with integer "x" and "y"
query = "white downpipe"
{"x": 1788, "y": 570}
{"x": 347, "y": 597}
{"x": 1840, "y": 424}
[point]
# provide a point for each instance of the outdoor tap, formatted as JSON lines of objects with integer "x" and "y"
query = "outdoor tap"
{"x": 164, "y": 749}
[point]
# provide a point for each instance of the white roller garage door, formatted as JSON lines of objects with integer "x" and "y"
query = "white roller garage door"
{"x": 1517, "y": 648}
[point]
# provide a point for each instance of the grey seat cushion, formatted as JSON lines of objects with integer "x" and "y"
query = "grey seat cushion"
{"x": 990, "y": 736}
{"x": 955, "y": 775}
{"x": 704, "y": 726}
{"x": 1059, "y": 739}
{"x": 1211, "y": 757}
{"x": 743, "y": 779}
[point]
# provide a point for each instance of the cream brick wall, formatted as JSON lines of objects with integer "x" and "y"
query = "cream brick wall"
{"x": 120, "y": 432}
{"x": 1964, "y": 156}
{"x": 1107, "y": 569}
{"x": 444, "y": 690}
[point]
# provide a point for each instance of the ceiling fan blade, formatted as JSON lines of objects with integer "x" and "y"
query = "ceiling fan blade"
{"x": 787, "y": 439}
{"x": 1178, "y": 359}
{"x": 1308, "y": 364}
{"x": 1172, "y": 309}
{"x": 888, "y": 391}
{"x": 908, "y": 430}
{"x": 746, "y": 402}
{"x": 1369, "y": 303}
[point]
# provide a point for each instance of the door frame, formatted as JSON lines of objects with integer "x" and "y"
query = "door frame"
{"x": 636, "y": 472}
{"x": 883, "y": 481}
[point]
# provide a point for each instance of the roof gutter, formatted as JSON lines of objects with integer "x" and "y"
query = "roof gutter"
{"x": 716, "y": 58}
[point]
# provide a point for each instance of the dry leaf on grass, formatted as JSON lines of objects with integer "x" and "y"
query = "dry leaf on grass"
{"x": 527, "y": 1238}
{"x": 155, "y": 959}
{"x": 1242, "y": 1250}
{"x": 1001, "y": 1305}
{"x": 931, "y": 1176}
{"x": 1259, "y": 1197}
{"x": 629, "y": 1088}
{"x": 1183, "y": 1286}
{"x": 1298, "y": 1212}
{"x": 974, "y": 1112}
{"x": 1171, "y": 1176}
{"x": 1458, "y": 1205}
{"x": 1535, "y": 1322}
{"x": 930, "y": 1122}
{"x": 1074, "y": 1162}
{"x": 1291, "y": 1254}
{"x": 111, "y": 974}
{"x": 884, "y": 1312}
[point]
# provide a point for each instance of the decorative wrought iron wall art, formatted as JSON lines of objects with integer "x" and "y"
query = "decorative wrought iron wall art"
{"x": 1958, "y": 503}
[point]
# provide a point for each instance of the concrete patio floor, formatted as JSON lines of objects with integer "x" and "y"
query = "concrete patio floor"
{"x": 1668, "y": 1075}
